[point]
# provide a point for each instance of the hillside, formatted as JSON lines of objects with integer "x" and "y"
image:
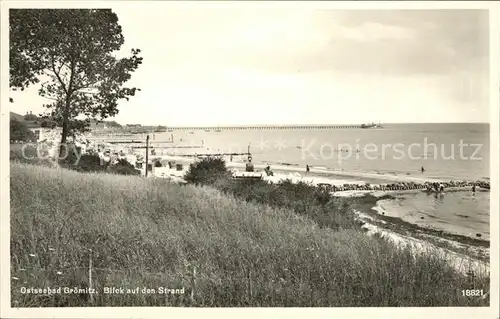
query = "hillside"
{"x": 151, "y": 233}
{"x": 17, "y": 117}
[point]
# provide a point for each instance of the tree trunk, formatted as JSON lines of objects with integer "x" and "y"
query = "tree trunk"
{"x": 65, "y": 128}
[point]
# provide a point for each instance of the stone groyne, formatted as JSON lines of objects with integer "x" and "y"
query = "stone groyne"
{"x": 431, "y": 186}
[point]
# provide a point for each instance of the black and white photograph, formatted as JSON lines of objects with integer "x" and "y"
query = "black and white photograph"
{"x": 172, "y": 155}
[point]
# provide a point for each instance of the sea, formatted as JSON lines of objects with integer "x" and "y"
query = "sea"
{"x": 448, "y": 151}
{"x": 458, "y": 151}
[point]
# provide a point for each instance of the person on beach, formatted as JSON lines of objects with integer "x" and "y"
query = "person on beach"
{"x": 231, "y": 158}
{"x": 249, "y": 166}
{"x": 437, "y": 187}
{"x": 268, "y": 171}
{"x": 307, "y": 168}
{"x": 473, "y": 190}
{"x": 422, "y": 169}
{"x": 429, "y": 188}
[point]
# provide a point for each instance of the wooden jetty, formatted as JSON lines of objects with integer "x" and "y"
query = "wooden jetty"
{"x": 169, "y": 147}
{"x": 264, "y": 127}
{"x": 136, "y": 142}
{"x": 213, "y": 154}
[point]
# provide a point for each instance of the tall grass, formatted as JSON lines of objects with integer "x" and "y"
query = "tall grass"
{"x": 152, "y": 233}
{"x": 304, "y": 199}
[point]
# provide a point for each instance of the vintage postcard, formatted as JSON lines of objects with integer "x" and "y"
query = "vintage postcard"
{"x": 277, "y": 159}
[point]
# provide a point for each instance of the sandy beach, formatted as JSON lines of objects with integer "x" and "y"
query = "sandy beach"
{"x": 442, "y": 213}
{"x": 461, "y": 262}
{"x": 318, "y": 174}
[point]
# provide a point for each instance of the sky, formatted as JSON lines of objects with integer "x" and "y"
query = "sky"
{"x": 227, "y": 66}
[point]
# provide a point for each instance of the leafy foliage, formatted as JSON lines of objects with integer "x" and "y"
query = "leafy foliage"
{"x": 207, "y": 171}
{"x": 19, "y": 131}
{"x": 123, "y": 167}
{"x": 30, "y": 117}
{"x": 48, "y": 123}
{"x": 72, "y": 54}
{"x": 112, "y": 124}
{"x": 55, "y": 118}
{"x": 74, "y": 160}
{"x": 302, "y": 198}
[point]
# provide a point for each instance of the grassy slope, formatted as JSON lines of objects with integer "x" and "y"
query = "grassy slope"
{"x": 150, "y": 233}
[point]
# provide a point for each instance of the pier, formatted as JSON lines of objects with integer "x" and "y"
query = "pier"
{"x": 264, "y": 127}
{"x": 213, "y": 154}
{"x": 168, "y": 147}
{"x": 136, "y": 142}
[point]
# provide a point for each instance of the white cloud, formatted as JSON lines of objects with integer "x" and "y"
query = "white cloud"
{"x": 296, "y": 66}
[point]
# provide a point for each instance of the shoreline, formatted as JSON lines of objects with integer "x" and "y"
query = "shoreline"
{"x": 470, "y": 246}
{"x": 465, "y": 254}
{"x": 464, "y": 258}
{"x": 315, "y": 173}
{"x": 368, "y": 202}
{"x": 368, "y": 199}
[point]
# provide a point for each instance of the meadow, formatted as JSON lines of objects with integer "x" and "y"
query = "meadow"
{"x": 221, "y": 246}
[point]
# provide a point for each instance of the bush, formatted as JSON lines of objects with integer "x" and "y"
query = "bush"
{"x": 29, "y": 153}
{"x": 86, "y": 163}
{"x": 90, "y": 163}
{"x": 123, "y": 167}
{"x": 48, "y": 123}
{"x": 207, "y": 171}
{"x": 19, "y": 131}
{"x": 93, "y": 163}
{"x": 302, "y": 198}
{"x": 30, "y": 117}
{"x": 158, "y": 164}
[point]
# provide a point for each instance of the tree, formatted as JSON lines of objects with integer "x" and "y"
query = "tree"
{"x": 72, "y": 54}
{"x": 113, "y": 124}
{"x": 30, "y": 117}
{"x": 48, "y": 123}
{"x": 19, "y": 131}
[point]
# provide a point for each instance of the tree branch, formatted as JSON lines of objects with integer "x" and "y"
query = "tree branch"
{"x": 57, "y": 75}
{"x": 72, "y": 77}
{"x": 88, "y": 86}
{"x": 50, "y": 98}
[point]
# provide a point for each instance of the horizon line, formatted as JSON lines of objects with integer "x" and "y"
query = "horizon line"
{"x": 290, "y": 125}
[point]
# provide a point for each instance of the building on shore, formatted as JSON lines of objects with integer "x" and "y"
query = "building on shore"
{"x": 40, "y": 133}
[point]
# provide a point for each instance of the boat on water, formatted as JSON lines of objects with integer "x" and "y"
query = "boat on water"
{"x": 372, "y": 125}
